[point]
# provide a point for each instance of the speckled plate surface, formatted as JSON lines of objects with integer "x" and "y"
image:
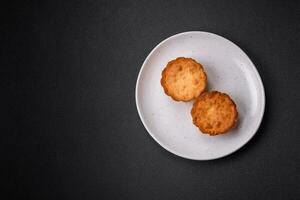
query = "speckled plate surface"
{"x": 228, "y": 70}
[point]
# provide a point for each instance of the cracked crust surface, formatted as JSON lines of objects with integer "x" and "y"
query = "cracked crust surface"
{"x": 214, "y": 113}
{"x": 183, "y": 79}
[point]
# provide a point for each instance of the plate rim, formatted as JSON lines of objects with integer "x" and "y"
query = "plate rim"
{"x": 261, "y": 88}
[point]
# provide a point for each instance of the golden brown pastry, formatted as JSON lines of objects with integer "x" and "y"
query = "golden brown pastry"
{"x": 214, "y": 113}
{"x": 183, "y": 79}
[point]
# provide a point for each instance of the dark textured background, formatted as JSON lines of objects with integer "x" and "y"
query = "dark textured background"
{"x": 71, "y": 129}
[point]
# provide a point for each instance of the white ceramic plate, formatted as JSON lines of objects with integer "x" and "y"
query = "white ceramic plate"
{"x": 228, "y": 70}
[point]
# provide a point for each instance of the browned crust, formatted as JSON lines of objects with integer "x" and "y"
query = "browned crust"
{"x": 212, "y": 132}
{"x": 164, "y": 76}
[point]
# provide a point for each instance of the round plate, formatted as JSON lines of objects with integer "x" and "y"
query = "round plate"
{"x": 228, "y": 70}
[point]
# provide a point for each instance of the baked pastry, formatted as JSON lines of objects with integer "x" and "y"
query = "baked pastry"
{"x": 214, "y": 113}
{"x": 183, "y": 79}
